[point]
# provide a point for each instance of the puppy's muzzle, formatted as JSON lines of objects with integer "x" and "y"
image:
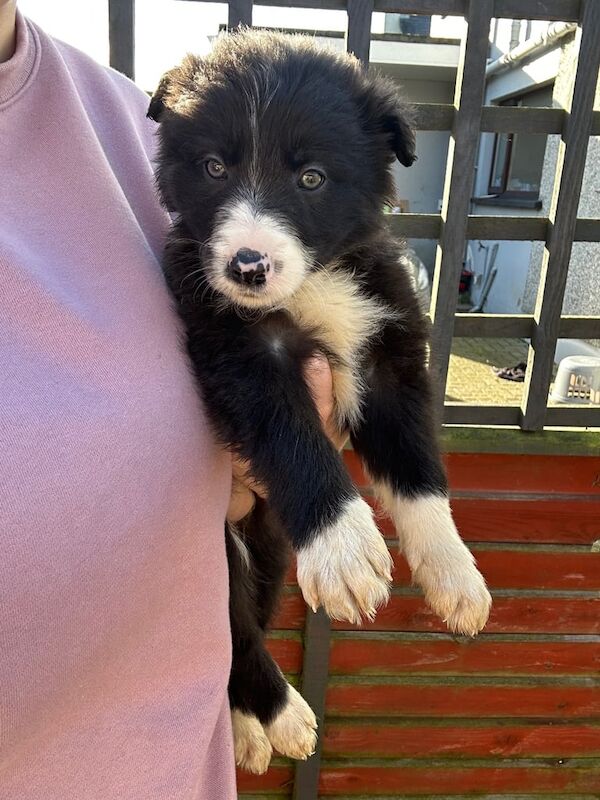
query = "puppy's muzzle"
{"x": 249, "y": 267}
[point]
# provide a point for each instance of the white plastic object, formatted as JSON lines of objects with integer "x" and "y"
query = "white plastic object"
{"x": 577, "y": 380}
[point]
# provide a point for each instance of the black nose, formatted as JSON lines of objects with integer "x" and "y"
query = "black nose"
{"x": 248, "y": 267}
{"x": 246, "y": 256}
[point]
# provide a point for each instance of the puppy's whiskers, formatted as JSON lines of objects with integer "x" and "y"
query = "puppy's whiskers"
{"x": 190, "y": 275}
{"x": 201, "y": 283}
{"x": 189, "y": 240}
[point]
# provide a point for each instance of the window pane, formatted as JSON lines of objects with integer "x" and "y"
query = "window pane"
{"x": 540, "y": 98}
{"x": 527, "y": 160}
{"x": 496, "y": 177}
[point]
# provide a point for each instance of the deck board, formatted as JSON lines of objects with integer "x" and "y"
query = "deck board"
{"x": 414, "y": 712}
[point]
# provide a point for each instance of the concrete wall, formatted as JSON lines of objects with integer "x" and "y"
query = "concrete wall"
{"x": 582, "y": 293}
{"x": 511, "y": 262}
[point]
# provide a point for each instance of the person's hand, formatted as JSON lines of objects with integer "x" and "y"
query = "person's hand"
{"x": 244, "y": 488}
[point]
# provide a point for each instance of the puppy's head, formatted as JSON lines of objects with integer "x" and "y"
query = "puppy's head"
{"x": 276, "y": 155}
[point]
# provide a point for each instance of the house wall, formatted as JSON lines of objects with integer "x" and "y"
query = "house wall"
{"x": 509, "y": 293}
{"x": 582, "y": 295}
{"x": 519, "y": 263}
{"x": 422, "y": 185}
{"x": 507, "y": 33}
{"x": 511, "y": 262}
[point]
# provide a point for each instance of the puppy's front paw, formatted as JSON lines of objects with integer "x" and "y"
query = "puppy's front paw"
{"x": 293, "y": 732}
{"x": 456, "y": 591}
{"x": 439, "y": 560}
{"x": 252, "y": 748}
{"x": 347, "y": 567}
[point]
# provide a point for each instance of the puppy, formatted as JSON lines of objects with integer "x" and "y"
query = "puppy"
{"x": 275, "y": 159}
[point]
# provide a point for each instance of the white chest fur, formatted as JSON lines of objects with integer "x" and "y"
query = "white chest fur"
{"x": 331, "y": 304}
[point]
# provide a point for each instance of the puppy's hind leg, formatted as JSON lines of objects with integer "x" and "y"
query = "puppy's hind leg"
{"x": 293, "y": 729}
{"x": 252, "y": 748}
{"x": 269, "y": 549}
{"x": 266, "y": 711}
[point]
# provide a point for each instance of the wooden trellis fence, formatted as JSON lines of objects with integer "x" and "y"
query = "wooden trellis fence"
{"x": 466, "y": 119}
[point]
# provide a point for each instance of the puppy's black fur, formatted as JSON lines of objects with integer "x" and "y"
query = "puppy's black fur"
{"x": 267, "y": 268}
{"x": 256, "y": 685}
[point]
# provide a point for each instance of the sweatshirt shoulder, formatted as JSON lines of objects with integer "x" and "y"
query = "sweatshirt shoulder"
{"x": 104, "y": 87}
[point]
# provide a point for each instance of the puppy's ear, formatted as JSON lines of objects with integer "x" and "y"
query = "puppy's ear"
{"x": 157, "y": 101}
{"x": 176, "y": 87}
{"x": 398, "y": 122}
{"x": 389, "y": 116}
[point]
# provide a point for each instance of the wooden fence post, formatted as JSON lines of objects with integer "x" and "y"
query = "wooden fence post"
{"x": 240, "y": 13}
{"x": 458, "y": 187}
{"x": 121, "y": 32}
{"x": 358, "y": 34}
{"x": 315, "y": 672}
{"x": 561, "y": 223}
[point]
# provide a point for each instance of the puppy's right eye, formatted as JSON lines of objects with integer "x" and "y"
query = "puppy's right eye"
{"x": 311, "y": 179}
{"x": 215, "y": 169}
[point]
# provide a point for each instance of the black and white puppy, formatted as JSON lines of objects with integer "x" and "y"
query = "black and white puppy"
{"x": 275, "y": 157}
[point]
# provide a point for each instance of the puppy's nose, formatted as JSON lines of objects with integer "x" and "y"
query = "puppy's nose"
{"x": 249, "y": 267}
{"x": 247, "y": 256}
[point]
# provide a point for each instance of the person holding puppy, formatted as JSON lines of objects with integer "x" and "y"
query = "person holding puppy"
{"x": 114, "y": 627}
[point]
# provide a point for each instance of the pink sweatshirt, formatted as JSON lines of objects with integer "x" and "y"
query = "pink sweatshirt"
{"x": 114, "y": 631}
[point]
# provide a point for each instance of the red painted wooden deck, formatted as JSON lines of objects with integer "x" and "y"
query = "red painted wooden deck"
{"x": 414, "y": 712}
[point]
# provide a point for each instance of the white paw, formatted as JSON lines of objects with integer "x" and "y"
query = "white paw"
{"x": 293, "y": 732}
{"x": 456, "y": 592}
{"x": 347, "y": 567}
{"x": 439, "y": 560}
{"x": 252, "y": 748}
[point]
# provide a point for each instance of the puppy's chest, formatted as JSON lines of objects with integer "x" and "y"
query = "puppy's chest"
{"x": 332, "y": 307}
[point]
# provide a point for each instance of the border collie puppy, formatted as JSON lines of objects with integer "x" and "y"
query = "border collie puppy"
{"x": 275, "y": 157}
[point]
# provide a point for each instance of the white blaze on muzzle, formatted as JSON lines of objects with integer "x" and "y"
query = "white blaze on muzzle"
{"x": 256, "y": 259}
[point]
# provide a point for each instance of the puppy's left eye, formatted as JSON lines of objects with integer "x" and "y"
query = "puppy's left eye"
{"x": 215, "y": 169}
{"x": 311, "y": 179}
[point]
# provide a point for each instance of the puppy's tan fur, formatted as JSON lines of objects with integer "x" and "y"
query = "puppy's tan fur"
{"x": 330, "y": 302}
